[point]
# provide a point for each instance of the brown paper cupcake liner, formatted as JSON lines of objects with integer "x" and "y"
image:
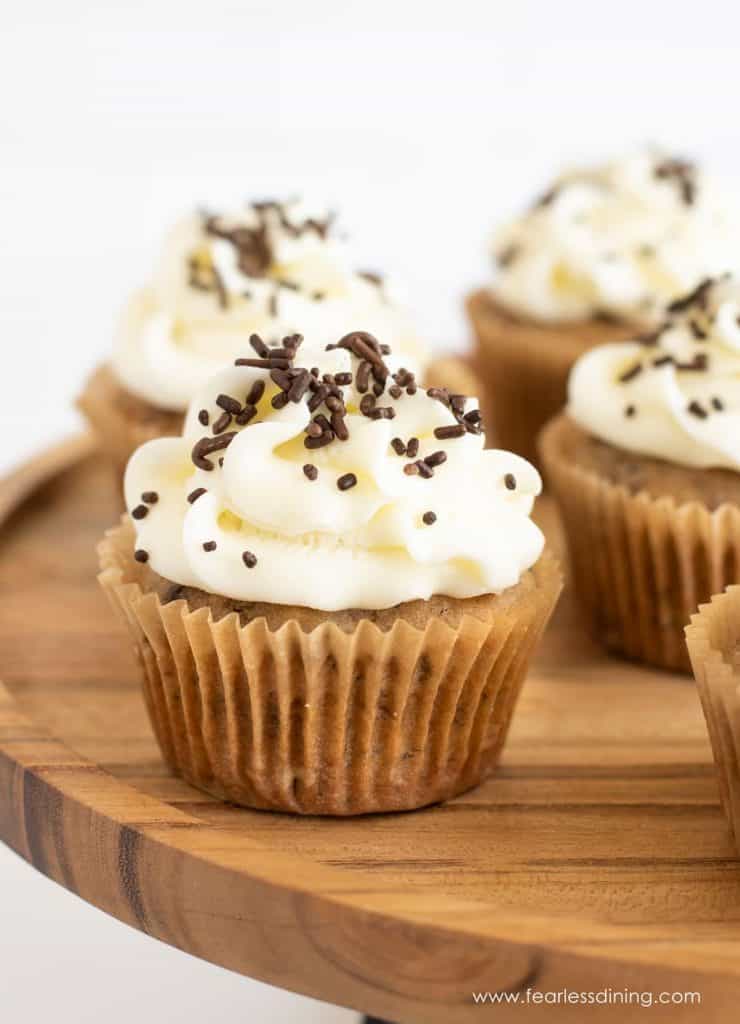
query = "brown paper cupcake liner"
{"x": 327, "y": 721}
{"x": 640, "y": 565}
{"x": 523, "y": 369}
{"x": 713, "y": 639}
{"x": 121, "y": 421}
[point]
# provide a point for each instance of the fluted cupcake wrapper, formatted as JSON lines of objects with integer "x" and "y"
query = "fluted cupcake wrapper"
{"x": 713, "y": 639}
{"x": 327, "y": 721}
{"x": 122, "y": 422}
{"x": 640, "y": 565}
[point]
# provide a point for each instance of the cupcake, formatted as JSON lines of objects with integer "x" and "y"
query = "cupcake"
{"x": 645, "y": 466}
{"x": 594, "y": 260}
{"x": 714, "y": 646}
{"x": 267, "y": 269}
{"x": 333, "y": 590}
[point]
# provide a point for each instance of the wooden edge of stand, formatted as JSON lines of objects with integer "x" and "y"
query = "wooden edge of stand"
{"x": 341, "y": 937}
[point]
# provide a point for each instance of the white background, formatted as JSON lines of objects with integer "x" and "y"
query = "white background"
{"x": 423, "y": 123}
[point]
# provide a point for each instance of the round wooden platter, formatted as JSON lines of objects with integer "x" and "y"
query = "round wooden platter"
{"x": 597, "y": 857}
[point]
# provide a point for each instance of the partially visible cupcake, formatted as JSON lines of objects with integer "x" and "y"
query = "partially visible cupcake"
{"x": 596, "y": 259}
{"x": 334, "y": 592}
{"x": 714, "y": 646}
{"x": 270, "y": 269}
{"x": 645, "y": 466}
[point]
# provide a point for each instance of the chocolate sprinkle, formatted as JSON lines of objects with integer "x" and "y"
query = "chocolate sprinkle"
{"x": 429, "y": 518}
{"x": 699, "y": 333}
{"x": 209, "y": 545}
{"x": 141, "y": 555}
{"x": 683, "y": 173}
{"x": 510, "y": 482}
{"x": 150, "y": 497}
{"x": 630, "y": 374}
{"x": 256, "y": 392}
{"x": 398, "y": 446}
{"x": 228, "y": 404}
{"x": 444, "y": 433}
{"x": 222, "y": 423}
{"x": 697, "y": 297}
{"x": 248, "y": 413}
{"x": 718, "y": 404}
{"x": 258, "y": 345}
{"x": 507, "y": 255}
{"x": 203, "y": 418}
{"x": 194, "y": 495}
{"x": 630, "y": 410}
{"x": 140, "y": 512}
{"x": 249, "y": 559}
{"x": 319, "y": 442}
{"x": 311, "y": 471}
{"x": 697, "y": 409}
{"x": 209, "y": 445}
{"x": 412, "y": 447}
{"x": 344, "y": 483}
{"x": 699, "y": 363}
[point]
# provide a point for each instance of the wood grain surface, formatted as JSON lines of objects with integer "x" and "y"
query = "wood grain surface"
{"x": 596, "y": 858}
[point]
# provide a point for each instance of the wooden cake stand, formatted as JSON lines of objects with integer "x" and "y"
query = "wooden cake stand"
{"x": 596, "y": 860}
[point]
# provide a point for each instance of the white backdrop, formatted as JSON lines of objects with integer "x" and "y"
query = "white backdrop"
{"x": 423, "y": 123}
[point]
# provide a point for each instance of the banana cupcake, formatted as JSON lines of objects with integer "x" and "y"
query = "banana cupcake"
{"x": 266, "y": 269}
{"x": 333, "y": 590}
{"x": 645, "y": 466}
{"x": 714, "y": 646}
{"x": 596, "y": 259}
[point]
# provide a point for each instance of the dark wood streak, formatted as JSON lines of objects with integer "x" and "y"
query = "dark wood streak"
{"x": 129, "y": 843}
{"x": 43, "y": 816}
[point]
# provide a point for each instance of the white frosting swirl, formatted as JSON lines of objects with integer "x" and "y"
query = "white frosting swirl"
{"x": 622, "y": 239}
{"x": 683, "y": 404}
{"x": 283, "y": 270}
{"x": 317, "y": 545}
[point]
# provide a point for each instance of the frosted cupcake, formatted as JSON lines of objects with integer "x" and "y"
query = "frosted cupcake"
{"x": 270, "y": 269}
{"x": 714, "y": 645}
{"x": 645, "y": 466}
{"x": 596, "y": 259}
{"x": 334, "y": 591}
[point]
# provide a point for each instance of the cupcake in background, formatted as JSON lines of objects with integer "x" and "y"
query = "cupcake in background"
{"x": 334, "y": 591}
{"x": 596, "y": 259}
{"x": 270, "y": 269}
{"x": 645, "y": 467}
